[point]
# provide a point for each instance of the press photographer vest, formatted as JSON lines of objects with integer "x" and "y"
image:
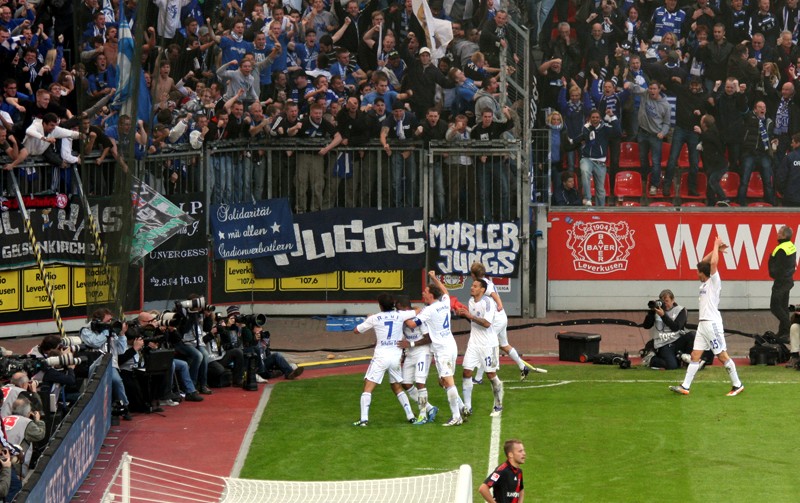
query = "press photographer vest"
{"x": 661, "y": 333}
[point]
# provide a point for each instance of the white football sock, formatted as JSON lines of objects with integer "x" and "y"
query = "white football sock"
{"x": 730, "y": 366}
{"x": 466, "y": 386}
{"x": 366, "y": 400}
{"x": 690, "y": 373}
{"x": 453, "y": 399}
{"x": 497, "y": 389}
{"x": 403, "y": 399}
{"x": 515, "y": 356}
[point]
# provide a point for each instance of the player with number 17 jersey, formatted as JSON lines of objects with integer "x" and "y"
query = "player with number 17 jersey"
{"x": 436, "y": 317}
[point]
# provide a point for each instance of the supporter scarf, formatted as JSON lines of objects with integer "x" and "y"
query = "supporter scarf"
{"x": 782, "y": 117}
{"x": 574, "y": 108}
{"x": 762, "y": 129}
{"x": 237, "y": 38}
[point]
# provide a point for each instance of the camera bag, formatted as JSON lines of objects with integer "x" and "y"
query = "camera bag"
{"x": 219, "y": 376}
{"x": 768, "y": 351}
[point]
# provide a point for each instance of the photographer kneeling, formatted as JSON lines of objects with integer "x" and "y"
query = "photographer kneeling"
{"x": 667, "y": 321}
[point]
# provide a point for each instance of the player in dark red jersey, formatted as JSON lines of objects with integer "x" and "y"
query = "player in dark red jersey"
{"x": 504, "y": 484}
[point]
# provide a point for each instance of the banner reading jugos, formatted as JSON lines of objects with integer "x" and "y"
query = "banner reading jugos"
{"x": 350, "y": 239}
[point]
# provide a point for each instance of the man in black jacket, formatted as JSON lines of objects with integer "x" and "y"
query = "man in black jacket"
{"x": 355, "y": 168}
{"x": 492, "y": 170}
{"x": 787, "y": 178}
{"x": 691, "y": 104}
{"x": 434, "y": 129}
{"x": 421, "y": 80}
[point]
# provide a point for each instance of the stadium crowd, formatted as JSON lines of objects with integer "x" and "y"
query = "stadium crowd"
{"x": 705, "y": 75}
{"x": 679, "y": 77}
{"x": 342, "y": 73}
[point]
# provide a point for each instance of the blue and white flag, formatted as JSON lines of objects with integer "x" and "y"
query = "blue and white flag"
{"x": 124, "y": 64}
{"x": 250, "y": 230}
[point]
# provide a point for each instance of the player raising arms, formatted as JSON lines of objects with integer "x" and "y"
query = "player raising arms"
{"x": 416, "y": 365}
{"x": 388, "y": 327}
{"x": 482, "y": 351}
{"x": 710, "y": 334}
{"x": 436, "y": 316}
{"x": 500, "y": 323}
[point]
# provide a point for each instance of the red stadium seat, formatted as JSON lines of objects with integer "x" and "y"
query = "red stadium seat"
{"x": 607, "y": 186}
{"x": 701, "y": 186}
{"x": 755, "y": 189}
{"x": 730, "y": 184}
{"x": 665, "y": 150}
{"x": 629, "y": 203}
{"x": 629, "y": 155}
{"x": 663, "y": 204}
{"x": 658, "y": 194}
{"x": 759, "y": 204}
{"x": 628, "y": 184}
{"x": 683, "y": 158}
{"x": 692, "y": 204}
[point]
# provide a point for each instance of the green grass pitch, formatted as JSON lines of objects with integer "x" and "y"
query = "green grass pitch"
{"x": 592, "y": 433}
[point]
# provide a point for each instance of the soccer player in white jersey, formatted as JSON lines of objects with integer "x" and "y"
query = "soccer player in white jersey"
{"x": 710, "y": 334}
{"x": 416, "y": 366}
{"x": 500, "y": 324}
{"x": 436, "y": 316}
{"x": 482, "y": 351}
{"x": 388, "y": 327}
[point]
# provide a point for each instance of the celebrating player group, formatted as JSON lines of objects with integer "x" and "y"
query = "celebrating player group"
{"x": 407, "y": 339}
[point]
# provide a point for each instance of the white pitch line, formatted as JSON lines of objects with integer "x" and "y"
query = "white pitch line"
{"x": 238, "y": 464}
{"x": 494, "y": 443}
{"x": 548, "y": 384}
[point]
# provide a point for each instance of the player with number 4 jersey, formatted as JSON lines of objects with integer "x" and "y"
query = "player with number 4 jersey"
{"x": 436, "y": 317}
{"x": 388, "y": 328}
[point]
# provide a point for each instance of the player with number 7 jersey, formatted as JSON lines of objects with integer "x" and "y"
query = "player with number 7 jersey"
{"x": 436, "y": 316}
{"x": 388, "y": 328}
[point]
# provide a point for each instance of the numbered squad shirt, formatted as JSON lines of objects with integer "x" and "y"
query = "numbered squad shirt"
{"x": 437, "y": 318}
{"x": 388, "y": 327}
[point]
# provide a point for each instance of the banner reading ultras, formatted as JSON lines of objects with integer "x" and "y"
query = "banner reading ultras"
{"x": 350, "y": 239}
{"x": 660, "y": 246}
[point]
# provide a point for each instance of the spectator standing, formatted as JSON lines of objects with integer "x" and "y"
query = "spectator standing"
{"x": 714, "y": 163}
{"x": 595, "y": 138}
{"x": 787, "y": 178}
{"x": 757, "y": 152}
{"x": 400, "y": 126}
{"x": 654, "y": 118}
{"x": 492, "y": 172}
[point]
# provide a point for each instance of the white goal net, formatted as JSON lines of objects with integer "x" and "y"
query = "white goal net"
{"x": 141, "y": 480}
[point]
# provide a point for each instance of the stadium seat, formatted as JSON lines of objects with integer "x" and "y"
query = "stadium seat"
{"x": 663, "y": 204}
{"x": 755, "y": 188}
{"x": 759, "y": 204}
{"x": 629, "y": 155}
{"x": 701, "y": 186}
{"x": 658, "y": 194}
{"x": 730, "y": 184}
{"x": 629, "y": 204}
{"x": 609, "y": 195}
{"x": 692, "y": 204}
{"x": 665, "y": 150}
{"x": 683, "y": 158}
{"x": 628, "y": 184}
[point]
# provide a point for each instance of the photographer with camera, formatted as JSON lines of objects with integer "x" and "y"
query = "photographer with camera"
{"x": 20, "y": 384}
{"x": 223, "y": 349}
{"x": 189, "y": 344}
{"x": 24, "y": 427}
{"x": 130, "y": 362}
{"x": 154, "y": 336}
{"x": 273, "y": 363}
{"x": 667, "y": 323}
{"x": 106, "y": 335}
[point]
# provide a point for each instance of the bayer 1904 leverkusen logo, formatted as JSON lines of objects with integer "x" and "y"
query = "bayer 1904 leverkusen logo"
{"x": 600, "y": 247}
